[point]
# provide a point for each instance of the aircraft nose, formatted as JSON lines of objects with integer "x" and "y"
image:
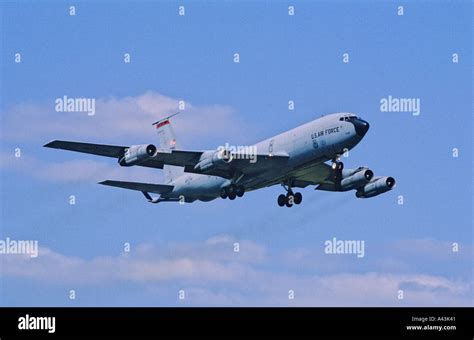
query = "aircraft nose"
{"x": 361, "y": 126}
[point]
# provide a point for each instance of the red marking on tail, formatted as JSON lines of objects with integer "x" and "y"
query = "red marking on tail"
{"x": 162, "y": 124}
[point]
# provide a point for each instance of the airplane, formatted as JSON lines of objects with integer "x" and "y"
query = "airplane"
{"x": 294, "y": 159}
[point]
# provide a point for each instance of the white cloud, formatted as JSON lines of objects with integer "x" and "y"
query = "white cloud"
{"x": 119, "y": 119}
{"x": 213, "y": 275}
{"x": 147, "y": 264}
{"x": 408, "y": 255}
{"x": 430, "y": 248}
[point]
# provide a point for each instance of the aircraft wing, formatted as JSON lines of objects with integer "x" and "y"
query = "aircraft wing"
{"x": 95, "y": 149}
{"x": 311, "y": 175}
{"x": 114, "y": 151}
{"x": 240, "y": 164}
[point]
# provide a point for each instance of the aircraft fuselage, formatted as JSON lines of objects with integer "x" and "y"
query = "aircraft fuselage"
{"x": 315, "y": 142}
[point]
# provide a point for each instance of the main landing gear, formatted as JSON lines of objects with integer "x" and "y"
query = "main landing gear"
{"x": 232, "y": 191}
{"x": 290, "y": 198}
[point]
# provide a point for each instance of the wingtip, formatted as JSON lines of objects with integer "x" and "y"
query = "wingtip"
{"x": 49, "y": 144}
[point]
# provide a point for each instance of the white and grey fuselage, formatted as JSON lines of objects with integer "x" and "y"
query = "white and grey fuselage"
{"x": 318, "y": 141}
{"x": 294, "y": 159}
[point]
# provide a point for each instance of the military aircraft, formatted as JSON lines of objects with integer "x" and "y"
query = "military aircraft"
{"x": 294, "y": 159}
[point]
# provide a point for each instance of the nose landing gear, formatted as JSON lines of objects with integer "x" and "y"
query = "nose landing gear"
{"x": 290, "y": 198}
{"x": 337, "y": 167}
{"x": 298, "y": 198}
{"x": 281, "y": 200}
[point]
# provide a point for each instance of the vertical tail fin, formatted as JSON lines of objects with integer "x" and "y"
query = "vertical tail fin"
{"x": 167, "y": 141}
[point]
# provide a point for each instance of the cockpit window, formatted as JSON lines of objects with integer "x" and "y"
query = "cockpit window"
{"x": 348, "y": 118}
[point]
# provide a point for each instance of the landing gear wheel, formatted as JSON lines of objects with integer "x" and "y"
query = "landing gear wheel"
{"x": 239, "y": 190}
{"x": 230, "y": 189}
{"x": 297, "y": 198}
{"x": 224, "y": 194}
{"x": 290, "y": 199}
{"x": 281, "y": 200}
{"x": 336, "y": 165}
{"x": 232, "y": 196}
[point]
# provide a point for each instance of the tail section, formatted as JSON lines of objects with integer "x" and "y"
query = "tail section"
{"x": 145, "y": 188}
{"x": 167, "y": 141}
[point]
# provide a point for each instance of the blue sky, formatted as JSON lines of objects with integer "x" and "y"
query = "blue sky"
{"x": 190, "y": 58}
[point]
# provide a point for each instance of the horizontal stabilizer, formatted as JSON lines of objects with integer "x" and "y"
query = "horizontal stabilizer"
{"x": 144, "y": 187}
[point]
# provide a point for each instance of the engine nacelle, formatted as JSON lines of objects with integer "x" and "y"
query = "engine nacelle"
{"x": 137, "y": 154}
{"x": 355, "y": 178}
{"x": 376, "y": 187}
{"x": 210, "y": 159}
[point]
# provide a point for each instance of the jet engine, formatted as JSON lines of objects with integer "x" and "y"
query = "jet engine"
{"x": 376, "y": 187}
{"x": 137, "y": 154}
{"x": 355, "y": 178}
{"x": 210, "y": 159}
